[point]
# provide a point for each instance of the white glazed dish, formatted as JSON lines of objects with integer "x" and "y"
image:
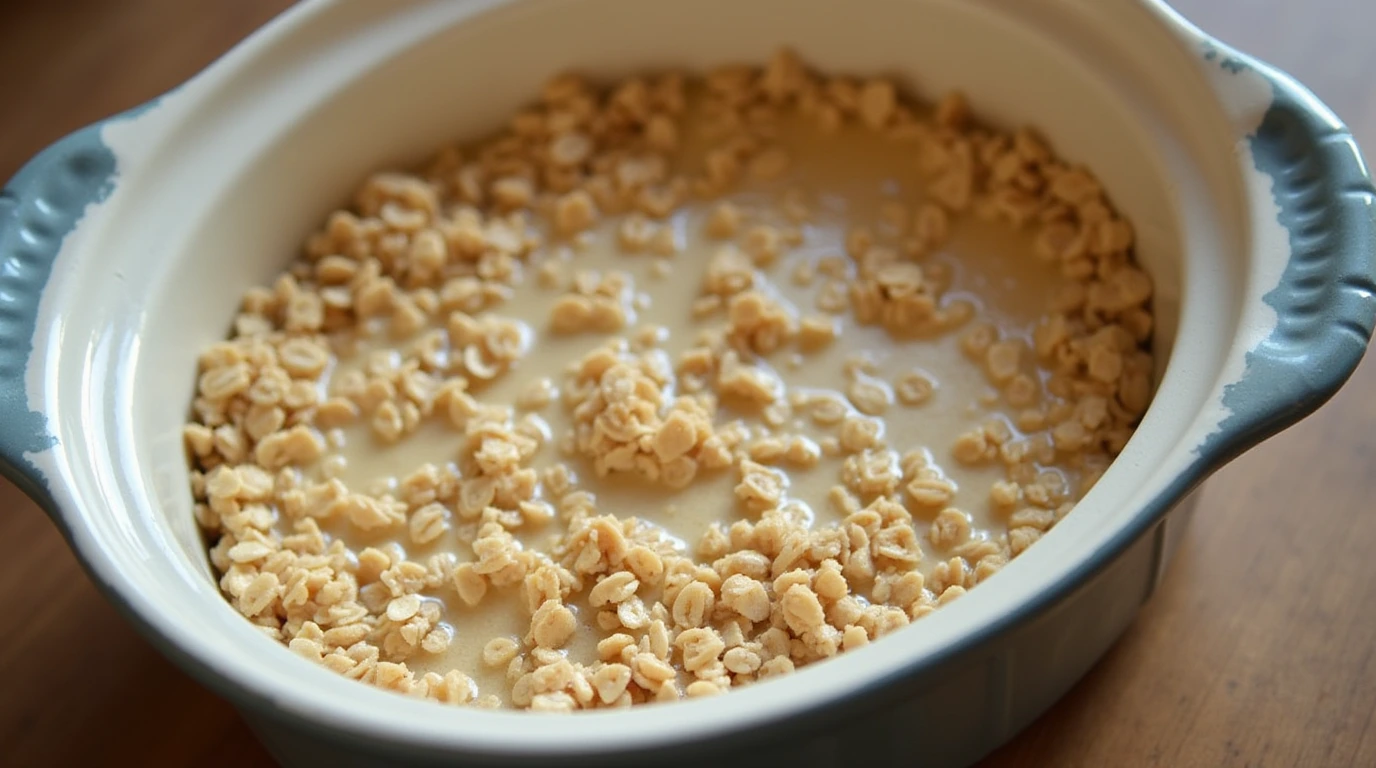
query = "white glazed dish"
{"x": 128, "y": 244}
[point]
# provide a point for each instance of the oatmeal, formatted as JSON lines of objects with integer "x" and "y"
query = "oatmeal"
{"x": 668, "y": 388}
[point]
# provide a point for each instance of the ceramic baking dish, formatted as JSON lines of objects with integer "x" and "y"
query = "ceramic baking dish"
{"x": 125, "y": 246}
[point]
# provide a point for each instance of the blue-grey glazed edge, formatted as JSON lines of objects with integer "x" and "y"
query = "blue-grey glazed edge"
{"x": 1324, "y": 302}
{"x": 39, "y": 207}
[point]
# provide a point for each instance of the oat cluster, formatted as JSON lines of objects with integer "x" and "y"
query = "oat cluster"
{"x": 411, "y": 281}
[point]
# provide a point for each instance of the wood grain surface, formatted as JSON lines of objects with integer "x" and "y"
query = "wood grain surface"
{"x": 1257, "y": 651}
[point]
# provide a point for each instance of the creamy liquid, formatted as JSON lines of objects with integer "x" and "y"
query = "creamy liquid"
{"x": 847, "y": 179}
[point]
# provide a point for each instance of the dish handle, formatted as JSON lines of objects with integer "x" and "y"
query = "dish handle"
{"x": 39, "y": 208}
{"x": 1325, "y": 301}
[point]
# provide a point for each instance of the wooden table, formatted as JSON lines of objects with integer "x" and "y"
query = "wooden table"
{"x": 1257, "y": 651}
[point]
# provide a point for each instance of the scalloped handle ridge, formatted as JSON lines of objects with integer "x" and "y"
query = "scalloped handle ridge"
{"x": 39, "y": 207}
{"x": 1326, "y": 299}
